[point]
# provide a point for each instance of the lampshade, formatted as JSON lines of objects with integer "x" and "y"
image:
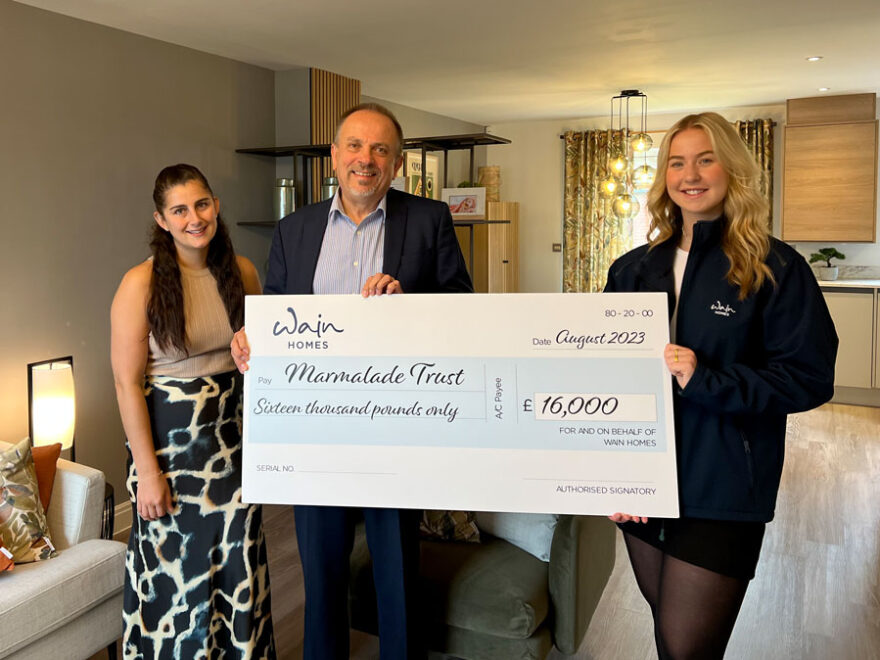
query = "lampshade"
{"x": 52, "y": 402}
{"x": 618, "y": 166}
{"x": 625, "y": 206}
{"x": 609, "y": 187}
{"x": 641, "y": 142}
{"x": 643, "y": 176}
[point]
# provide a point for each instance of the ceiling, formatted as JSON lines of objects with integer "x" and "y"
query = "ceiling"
{"x": 493, "y": 61}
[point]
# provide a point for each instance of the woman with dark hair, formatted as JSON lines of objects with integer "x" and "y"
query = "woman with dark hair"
{"x": 197, "y": 582}
{"x": 752, "y": 341}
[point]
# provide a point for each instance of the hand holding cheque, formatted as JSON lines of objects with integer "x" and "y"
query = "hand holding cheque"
{"x": 534, "y": 402}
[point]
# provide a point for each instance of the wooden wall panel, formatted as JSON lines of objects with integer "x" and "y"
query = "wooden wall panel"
{"x": 331, "y": 95}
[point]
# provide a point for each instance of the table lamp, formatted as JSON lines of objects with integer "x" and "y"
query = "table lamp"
{"x": 52, "y": 403}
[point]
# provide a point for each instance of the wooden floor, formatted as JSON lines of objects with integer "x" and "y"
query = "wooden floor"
{"x": 816, "y": 594}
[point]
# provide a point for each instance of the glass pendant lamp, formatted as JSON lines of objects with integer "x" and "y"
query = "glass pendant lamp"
{"x": 625, "y": 206}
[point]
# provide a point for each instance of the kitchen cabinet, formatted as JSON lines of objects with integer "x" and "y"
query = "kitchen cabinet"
{"x": 854, "y": 319}
{"x": 877, "y": 340}
{"x": 829, "y": 186}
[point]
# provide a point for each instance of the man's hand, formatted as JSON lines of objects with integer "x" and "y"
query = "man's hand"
{"x": 241, "y": 350}
{"x": 380, "y": 283}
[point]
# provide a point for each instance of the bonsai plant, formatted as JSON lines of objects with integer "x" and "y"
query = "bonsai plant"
{"x": 827, "y": 272}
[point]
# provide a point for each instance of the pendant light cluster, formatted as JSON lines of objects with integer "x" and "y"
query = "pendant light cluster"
{"x": 626, "y": 151}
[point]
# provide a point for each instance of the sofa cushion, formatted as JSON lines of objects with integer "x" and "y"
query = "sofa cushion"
{"x": 46, "y": 463}
{"x": 533, "y": 532}
{"x": 23, "y": 524}
{"x": 6, "y": 562}
{"x": 40, "y": 597}
{"x": 492, "y": 587}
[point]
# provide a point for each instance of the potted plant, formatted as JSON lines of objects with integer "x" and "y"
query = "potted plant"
{"x": 826, "y": 272}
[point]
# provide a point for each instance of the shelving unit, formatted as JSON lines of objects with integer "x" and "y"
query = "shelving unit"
{"x": 303, "y": 154}
{"x": 447, "y": 143}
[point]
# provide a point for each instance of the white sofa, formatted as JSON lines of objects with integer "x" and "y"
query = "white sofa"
{"x": 69, "y": 606}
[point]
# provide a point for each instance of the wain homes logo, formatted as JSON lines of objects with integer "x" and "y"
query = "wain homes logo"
{"x": 311, "y": 333}
{"x": 722, "y": 310}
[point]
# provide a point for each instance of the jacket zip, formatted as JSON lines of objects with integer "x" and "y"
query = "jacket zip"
{"x": 749, "y": 460}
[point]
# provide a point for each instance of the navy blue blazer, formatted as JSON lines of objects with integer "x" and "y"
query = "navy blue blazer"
{"x": 421, "y": 250}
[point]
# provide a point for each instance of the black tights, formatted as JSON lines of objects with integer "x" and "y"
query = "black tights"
{"x": 694, "y": 608}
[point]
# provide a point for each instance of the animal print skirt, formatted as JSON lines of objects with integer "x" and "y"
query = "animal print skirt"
{"x": 197, "y": 581}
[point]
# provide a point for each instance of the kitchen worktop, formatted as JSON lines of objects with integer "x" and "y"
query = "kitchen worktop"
{"x": 867, "y": 284}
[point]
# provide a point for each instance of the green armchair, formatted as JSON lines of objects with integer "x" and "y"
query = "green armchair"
{"x": 493, "y": 600}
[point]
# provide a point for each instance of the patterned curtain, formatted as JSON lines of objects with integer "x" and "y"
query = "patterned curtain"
{"x": 758, "y": 136}
{"x": 592, "y": 236}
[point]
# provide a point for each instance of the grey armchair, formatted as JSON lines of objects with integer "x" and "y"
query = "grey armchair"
{"x": 492, "y": 600}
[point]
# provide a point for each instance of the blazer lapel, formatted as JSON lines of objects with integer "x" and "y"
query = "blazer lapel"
{"x": 395, "y": 231}
{"x": 309, "y": 249}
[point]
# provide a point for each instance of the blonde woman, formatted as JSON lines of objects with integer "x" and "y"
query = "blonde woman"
{"x": 752, "y": 341}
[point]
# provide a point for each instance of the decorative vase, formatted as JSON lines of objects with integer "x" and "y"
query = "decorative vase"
{"x": 827, "y": 274}
{"x": 490, "y": 179}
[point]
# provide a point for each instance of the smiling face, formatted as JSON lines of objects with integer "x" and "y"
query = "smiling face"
{"x": 695, "y": 179}
{"x": 190, "y": 215}
{"x": 366, "y": 155}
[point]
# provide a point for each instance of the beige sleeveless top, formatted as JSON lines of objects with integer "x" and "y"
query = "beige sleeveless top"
{"x": 207, "y": 332}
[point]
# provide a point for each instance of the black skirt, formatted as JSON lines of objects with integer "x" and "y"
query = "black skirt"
{"x": 197, "y": 580}
{"x": 728, "y": 547}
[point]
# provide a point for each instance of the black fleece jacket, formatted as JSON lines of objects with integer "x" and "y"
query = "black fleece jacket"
{"x": 758, "y": 360}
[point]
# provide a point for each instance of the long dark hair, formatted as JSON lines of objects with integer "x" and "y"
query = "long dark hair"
{"x": 165, "y": 306}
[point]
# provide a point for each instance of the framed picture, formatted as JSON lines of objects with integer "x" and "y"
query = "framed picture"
{"x": 466, "y": 203}
{"x": 411, "y": 171}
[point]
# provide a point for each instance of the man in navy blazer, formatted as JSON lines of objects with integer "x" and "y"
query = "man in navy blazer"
{"x": 373, "y": 240}
{"x": 421, "y": 251}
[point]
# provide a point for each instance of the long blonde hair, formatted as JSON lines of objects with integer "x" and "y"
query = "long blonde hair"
{"x": 746, "y": 240}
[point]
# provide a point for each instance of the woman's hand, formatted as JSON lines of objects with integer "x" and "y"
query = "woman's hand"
{"x": 681, "y": 362}
{"x": 625, "y": 517}
{"x": 153, "y": 496}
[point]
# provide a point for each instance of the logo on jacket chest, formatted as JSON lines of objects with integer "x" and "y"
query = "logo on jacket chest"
{"x": 721, "y": 309}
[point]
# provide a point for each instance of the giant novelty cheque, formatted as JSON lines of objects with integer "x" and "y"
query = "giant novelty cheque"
{"x": 557, "y": 403}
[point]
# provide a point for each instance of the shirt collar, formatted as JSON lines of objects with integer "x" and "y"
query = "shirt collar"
{"x": 336, "y": 210}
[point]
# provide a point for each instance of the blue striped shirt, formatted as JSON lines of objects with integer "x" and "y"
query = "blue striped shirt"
{"x": 350, "y": 253}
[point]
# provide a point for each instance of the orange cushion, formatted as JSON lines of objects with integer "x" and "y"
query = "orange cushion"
{"x": 6, "y": 562}
{"x": 45, "y": 462}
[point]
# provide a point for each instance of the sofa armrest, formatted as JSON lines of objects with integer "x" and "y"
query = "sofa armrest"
{"x": 581, "y": 561}
{"x": 77, "y": 503}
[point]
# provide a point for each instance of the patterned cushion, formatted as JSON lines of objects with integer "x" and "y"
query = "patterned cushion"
{"x": 450, "y": 526}
{"x": 23, "y": 526}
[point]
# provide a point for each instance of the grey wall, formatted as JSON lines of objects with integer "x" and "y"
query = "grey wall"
{"x": 88, "y": 117}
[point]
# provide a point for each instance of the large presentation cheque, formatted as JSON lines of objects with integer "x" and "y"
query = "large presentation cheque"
{"x": 556, "y": 403}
